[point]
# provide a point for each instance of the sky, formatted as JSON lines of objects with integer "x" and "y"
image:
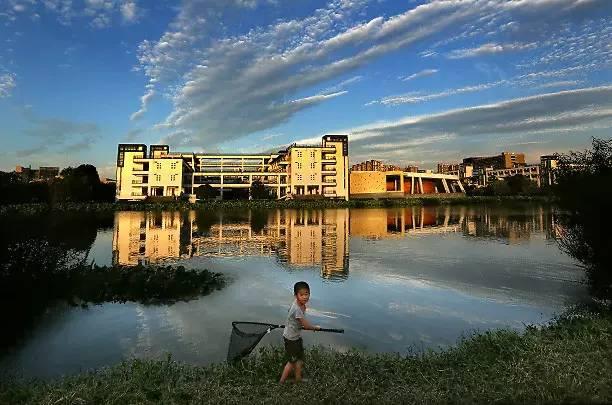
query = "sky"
{"x": 411, "y": 82}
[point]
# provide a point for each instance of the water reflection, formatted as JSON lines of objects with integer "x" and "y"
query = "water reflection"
{"x": 297, "y": 238}
{"x": 308, "y": 237}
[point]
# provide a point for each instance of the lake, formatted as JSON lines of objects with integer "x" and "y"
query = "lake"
{"x": 396, "y": 279}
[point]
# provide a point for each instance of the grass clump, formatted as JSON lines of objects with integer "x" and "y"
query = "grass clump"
{"x": 567, "y": 361}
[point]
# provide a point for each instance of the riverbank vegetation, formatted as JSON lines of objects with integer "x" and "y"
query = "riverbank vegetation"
{"x": 569, "y": 360}
{"x": 16, "y": 209}
{"x": 38, "y": 274}
{"x": 584, "y": 199}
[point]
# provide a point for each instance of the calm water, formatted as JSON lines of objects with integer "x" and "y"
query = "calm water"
{"x": 394, "y": 279}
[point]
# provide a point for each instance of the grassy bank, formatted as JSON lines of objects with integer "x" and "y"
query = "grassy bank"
{"x": 568, "y": 361}
{"x": 264, "y": 204}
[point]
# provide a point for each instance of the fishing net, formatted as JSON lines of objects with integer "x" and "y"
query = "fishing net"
{"x": 245, "y": 336}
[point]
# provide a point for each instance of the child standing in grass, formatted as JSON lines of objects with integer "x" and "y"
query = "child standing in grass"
{"x": 292, "y": 336}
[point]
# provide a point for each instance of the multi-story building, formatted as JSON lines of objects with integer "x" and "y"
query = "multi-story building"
{"x": 505, "y": 160}
{"x": 548, "y": 168}
{"x": 532, "y": 172}
{"x": 300, "y": 170}
{"x": 449, "y": 168}
{"x": 374, "y": 166}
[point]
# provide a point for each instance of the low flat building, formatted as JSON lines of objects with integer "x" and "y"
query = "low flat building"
{"x": 299, "y": 171}
{"x": 401, "y": 184}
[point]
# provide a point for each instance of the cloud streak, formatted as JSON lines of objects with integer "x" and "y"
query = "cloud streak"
{"x": 489, "y": 49}
{"x": 422, "y": 73}
{"x": 570, "y": 111}
{"x": 227, "y": 88}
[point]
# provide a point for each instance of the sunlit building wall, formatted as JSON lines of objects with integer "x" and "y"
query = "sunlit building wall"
{"x": 298, "y": 171}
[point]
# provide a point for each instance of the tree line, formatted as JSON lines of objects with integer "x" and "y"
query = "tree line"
{"x": 78, "y": 184}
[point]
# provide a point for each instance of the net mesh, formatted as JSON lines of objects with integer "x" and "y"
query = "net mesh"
{"x": 244, "y": 338}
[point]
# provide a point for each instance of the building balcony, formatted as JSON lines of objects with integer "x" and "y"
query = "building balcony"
{"x": 137, "y": 182}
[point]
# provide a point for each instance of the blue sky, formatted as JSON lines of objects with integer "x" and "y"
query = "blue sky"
{"x": 412, "y": 82}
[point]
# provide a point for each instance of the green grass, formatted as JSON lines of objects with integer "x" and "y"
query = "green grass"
{"x": 568, "y": 361}
{"x": 263, "y": 204}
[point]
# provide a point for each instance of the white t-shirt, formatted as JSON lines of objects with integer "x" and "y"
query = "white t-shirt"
{"x": 293, "y": 327}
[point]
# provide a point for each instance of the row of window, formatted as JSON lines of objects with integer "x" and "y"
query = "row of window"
{"x": 173, "y": 177}
{"x": 312, "y": 154}
{"x": 173, "y": 165}
{"x": 313, "y": 177}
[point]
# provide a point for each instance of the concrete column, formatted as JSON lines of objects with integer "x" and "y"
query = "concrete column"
{"x": 445, "y": 186}
{"x": 421, "y": 185}
{"x": 411, "y": 184}
{"x": 222, "y": 183}
{"x": 461, "y": 186}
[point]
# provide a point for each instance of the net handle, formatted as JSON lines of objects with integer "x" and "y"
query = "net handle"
{"x": 273, "y": 326}
{"x": 330, "y": 330}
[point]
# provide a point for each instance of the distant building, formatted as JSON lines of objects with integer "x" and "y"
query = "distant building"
{"x": 505, "y": 160}
{"x": 411, "y": 169}
{"x": 532, "y": 172}
{"x": 548, "y": 168}
{"x": 448, "y": 168}
{"x": 44, "y": 173}
{"x": 374, "y": 166}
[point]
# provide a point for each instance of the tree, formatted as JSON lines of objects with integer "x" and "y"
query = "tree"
{"x": 519, "y": 184}
{"x": 260, "y": 192}
{"x": 585, "y": 198}
{"x": 205, "y": 192}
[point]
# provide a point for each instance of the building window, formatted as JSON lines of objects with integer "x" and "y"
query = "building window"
{"x": 173, "y": 177}
{"x": 312, "y": 154}
{"x": 312, "y": 177}
{"x": 299, "y": 153}
{"x": 299, "y": 177}
{"x": 158, "y": 165}
{"x": 157, "y": 177}
{"x": 298, "y": 165}
{"x": 173, "y": 165}
{"x": 312, "y": 165}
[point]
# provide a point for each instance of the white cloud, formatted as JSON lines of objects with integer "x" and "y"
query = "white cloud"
{"x": 422, "y": 73}
{"x": 128, "y": 11}
{"x": 571, "y": 111}
{"x": 144, "y": 105}
{"x": 7, "y": 84}
{"x": 224, "y": 88}
{"x": 489, "y": 49}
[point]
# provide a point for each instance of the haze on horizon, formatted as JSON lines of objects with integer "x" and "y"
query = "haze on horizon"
{"x": 411, "y": 82}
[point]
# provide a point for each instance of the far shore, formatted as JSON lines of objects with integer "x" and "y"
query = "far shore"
{"x": 163, "y": 205}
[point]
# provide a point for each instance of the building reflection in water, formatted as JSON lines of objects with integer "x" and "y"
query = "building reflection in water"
{"x": 298, "y": 238}
{"x": 308, "y": 237}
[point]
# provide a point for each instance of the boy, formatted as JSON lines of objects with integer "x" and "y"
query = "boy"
{"x": 292, "y": 336}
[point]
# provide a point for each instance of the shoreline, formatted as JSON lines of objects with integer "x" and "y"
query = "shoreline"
{"x": 267, "y": 204}
{"x": 568, "y": 360}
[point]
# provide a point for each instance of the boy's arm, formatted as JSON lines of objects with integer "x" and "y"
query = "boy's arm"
{"x": 307, "y": 325}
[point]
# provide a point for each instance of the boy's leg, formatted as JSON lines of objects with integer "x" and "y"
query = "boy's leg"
{"x": 298, "y": 370}
{"x": 286, "y": 371}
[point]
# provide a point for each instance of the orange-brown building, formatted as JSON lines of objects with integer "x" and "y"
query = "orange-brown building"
{"x": 400, "y": 184}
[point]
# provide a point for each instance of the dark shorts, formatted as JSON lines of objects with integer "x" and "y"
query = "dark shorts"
{"x": 294, "y": 350}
